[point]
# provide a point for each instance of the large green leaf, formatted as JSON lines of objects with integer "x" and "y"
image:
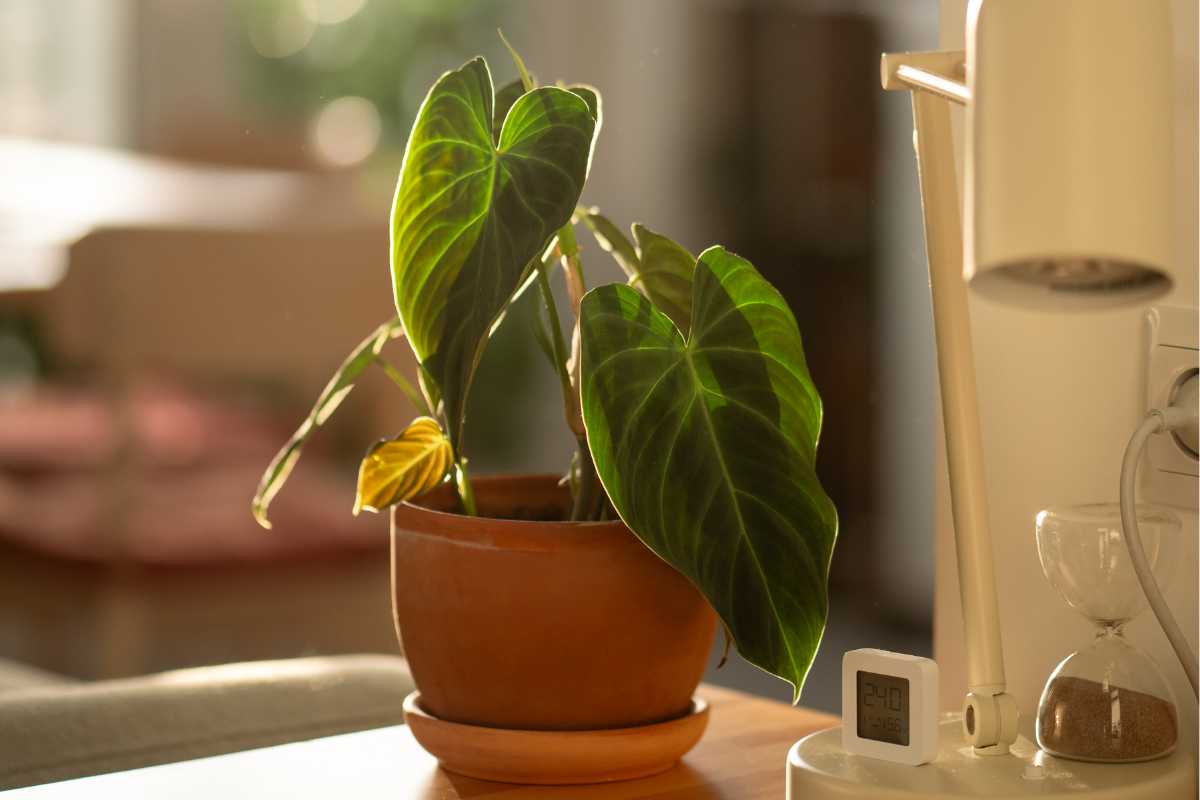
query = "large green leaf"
{"x": 706, "y": 447}
{"x": 471, "y": 212}
{"x": 658, "y": 267}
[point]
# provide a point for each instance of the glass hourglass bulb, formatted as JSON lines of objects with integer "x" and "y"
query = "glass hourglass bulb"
{"x": 1108, "y": 701}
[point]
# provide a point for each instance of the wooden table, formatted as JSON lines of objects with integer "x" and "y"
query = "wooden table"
{"x": 740, "y": 757}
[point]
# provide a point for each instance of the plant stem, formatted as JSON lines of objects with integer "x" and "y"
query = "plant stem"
{"x": 463, "y": 482}
{"x": 585, "y": 498}
{"x": 570, "y": 251}
{"x": 415, "y": 397}
{"x": 584, "y": 507}
{"x": 526, "y": 79}
{"x": 556, "y": 336}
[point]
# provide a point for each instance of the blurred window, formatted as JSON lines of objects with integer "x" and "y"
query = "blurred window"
{"x": 65, "y": 68}
{"x": 354, "y": 72}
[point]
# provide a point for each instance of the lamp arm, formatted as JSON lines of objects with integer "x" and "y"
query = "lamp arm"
{"x": 940, "y": 72}
{"x": 990, "y": 713}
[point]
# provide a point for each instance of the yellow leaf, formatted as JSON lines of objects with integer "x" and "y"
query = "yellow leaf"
{"x": 399, "y": 469}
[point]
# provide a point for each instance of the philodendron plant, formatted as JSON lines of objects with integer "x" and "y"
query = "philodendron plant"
{"x": 686, "y": 388}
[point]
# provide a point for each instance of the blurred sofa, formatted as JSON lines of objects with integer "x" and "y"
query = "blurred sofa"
{"x": 53, "y": 728}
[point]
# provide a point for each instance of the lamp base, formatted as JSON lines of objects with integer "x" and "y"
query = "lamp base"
{"x": 819, "y": 769}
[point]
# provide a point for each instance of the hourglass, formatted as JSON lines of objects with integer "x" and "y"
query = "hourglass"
{"x": 1107, "y": 701}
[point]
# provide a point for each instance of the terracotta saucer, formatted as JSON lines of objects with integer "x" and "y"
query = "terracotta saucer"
{"x": 556, "y": 757}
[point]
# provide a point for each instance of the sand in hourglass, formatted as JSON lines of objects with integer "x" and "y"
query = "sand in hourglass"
{"x": 1080, "y": 718}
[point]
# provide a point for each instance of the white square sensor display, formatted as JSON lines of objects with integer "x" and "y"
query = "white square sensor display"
{"x": 889, "y": 706}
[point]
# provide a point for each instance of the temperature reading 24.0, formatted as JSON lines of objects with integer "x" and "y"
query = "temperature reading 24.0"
{"x": 889, "y": 706}
{"x": 883, "y": 708}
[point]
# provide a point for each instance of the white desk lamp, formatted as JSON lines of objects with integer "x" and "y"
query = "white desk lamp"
{"x": 1067, "y": 205}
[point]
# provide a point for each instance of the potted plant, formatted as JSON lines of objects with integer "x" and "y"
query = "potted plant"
{"x": 533, "y": 603}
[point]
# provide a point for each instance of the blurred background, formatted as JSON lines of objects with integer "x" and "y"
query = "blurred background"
{"x": 193, "y": 233}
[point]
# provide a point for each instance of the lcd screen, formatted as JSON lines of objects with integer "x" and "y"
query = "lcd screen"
{"x": 883, "y": 708}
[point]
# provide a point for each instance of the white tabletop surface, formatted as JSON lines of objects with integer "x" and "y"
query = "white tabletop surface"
{"x": 380, "y": 763}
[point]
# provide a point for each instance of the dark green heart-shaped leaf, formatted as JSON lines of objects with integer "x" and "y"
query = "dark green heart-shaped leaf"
{"x": 706, "y": 447}
{"x": 658, "y": 267}
{"x": 472, "y": 211}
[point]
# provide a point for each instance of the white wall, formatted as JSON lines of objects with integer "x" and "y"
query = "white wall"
{"x": 1043, "y": 447}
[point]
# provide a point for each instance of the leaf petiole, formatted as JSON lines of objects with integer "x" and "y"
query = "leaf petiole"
{"x": 463, "y": 482}
{"x": 572, "y": 266}
{"x": 556, "y": 337}
{"x": 585, "y": 495}
{"x": 418, "y": 400}
{"x": 526, "y": 79}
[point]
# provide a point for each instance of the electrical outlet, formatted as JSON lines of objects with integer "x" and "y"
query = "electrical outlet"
{"x": 1173, "y": 356}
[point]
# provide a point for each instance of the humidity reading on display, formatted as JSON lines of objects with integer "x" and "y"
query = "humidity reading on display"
{"x": 883, "y": 708}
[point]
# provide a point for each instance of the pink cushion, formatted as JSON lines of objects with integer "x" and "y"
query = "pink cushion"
{"x": 184, "y": 495}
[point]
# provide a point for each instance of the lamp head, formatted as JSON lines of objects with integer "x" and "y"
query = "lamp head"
{"x": 1068, "y": 171}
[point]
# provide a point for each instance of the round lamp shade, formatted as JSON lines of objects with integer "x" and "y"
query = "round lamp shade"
{"x": 1068, "y": 173}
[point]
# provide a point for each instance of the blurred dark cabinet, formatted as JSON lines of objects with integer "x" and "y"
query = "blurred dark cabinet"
{"x": 791, "y": 173}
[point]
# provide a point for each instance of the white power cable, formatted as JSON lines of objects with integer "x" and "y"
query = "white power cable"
{"x": 1175, "y": 417}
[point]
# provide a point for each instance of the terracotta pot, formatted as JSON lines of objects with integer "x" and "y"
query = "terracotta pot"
{"x": 541, "y": 625}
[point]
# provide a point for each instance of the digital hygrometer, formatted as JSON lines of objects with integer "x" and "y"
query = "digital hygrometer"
{"x": 889, "y": 706}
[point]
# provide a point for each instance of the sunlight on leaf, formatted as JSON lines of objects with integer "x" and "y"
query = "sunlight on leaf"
{"x": 657, "y": 266}
{"x": 610, "y": 238}
{"x": 591, "y": 96}
{"x": 506, "y": 95}
{"x": 665, "y": 275}
{"x": 395, "y": 470}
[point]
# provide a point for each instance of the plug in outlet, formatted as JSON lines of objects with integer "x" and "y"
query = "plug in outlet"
{"x": 1173, "y": 357}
